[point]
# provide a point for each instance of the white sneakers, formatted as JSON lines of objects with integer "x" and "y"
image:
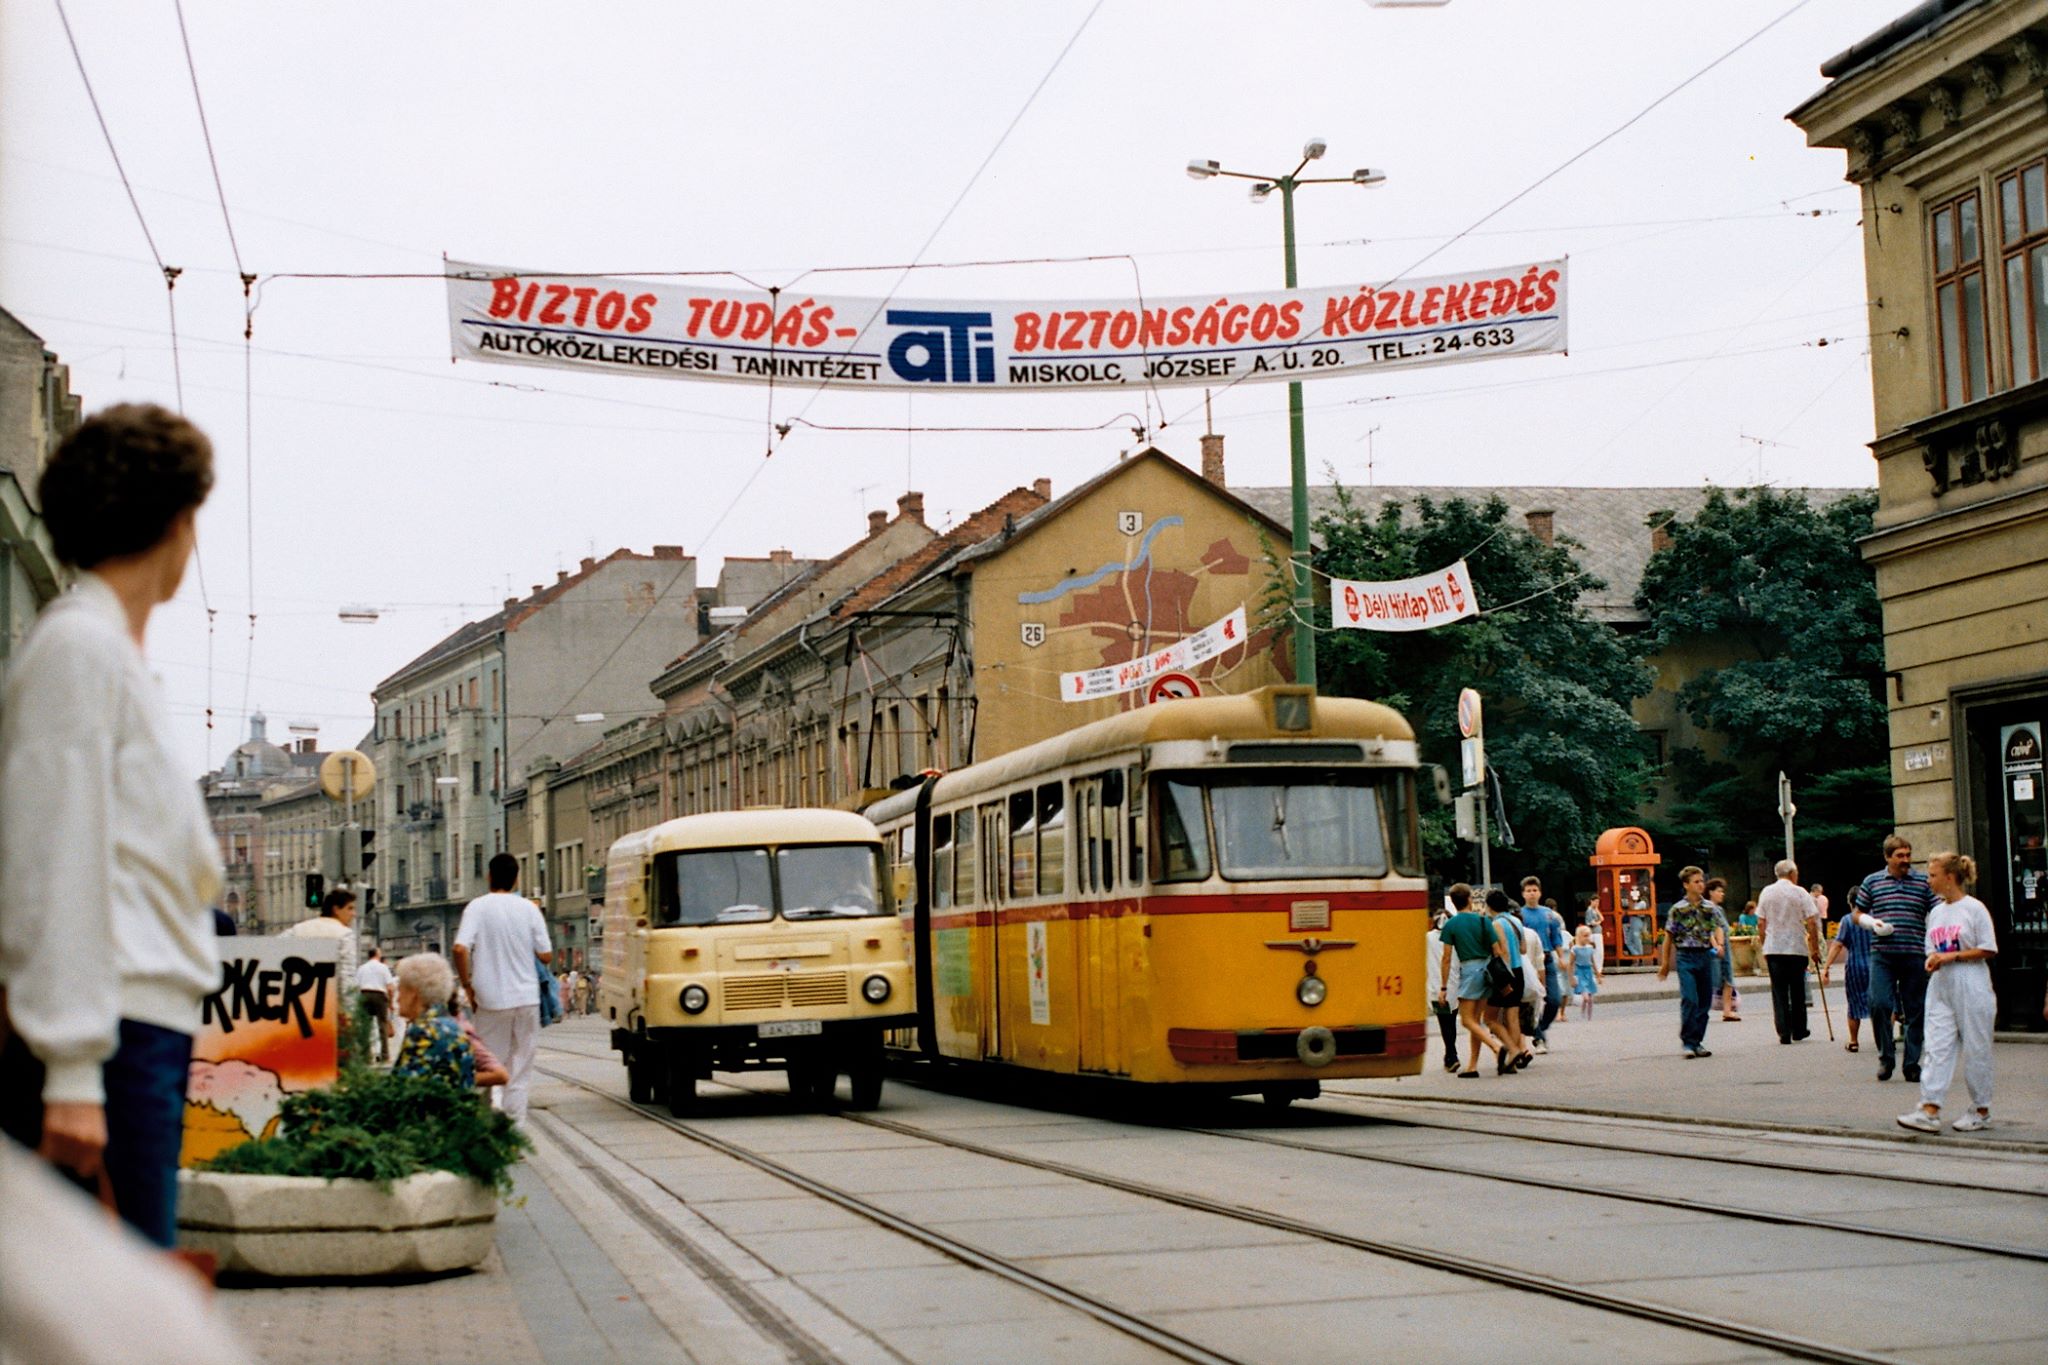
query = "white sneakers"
{"x": 1920, "y": 1121}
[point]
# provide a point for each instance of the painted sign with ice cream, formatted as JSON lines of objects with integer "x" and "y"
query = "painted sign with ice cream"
{"x": 269, "y": 1030}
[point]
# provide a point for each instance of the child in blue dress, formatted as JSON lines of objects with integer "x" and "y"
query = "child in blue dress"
{"x": 1586, "y": 970}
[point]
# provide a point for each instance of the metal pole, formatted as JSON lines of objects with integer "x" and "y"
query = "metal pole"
{"x": 1485, "y": 839}
{"x": 1304, "y": 588}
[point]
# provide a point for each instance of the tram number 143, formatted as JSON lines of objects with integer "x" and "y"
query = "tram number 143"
{"x": 1387, "y": 985}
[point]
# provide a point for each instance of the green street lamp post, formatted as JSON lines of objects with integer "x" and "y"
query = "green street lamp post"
{"x": 1262, "y": 189}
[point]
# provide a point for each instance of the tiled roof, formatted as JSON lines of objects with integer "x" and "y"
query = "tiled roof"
{"x": 981, "y": 526}
{"x": 469, "y": 636}
{"x": 1611, "y": 525}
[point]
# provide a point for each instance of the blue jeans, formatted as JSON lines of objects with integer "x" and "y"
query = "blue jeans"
{"x": 1898, "y": 987}
{"x": 1695, "y": 994}
{"x": 1553, "y": 998}
{"x": 145, "y": 1102}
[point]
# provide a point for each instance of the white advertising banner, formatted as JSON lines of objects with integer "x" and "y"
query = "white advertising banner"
{"x": 1178, "y": 657}
{"x": 685, "y": 331}
{"x": 1421, "y": 603}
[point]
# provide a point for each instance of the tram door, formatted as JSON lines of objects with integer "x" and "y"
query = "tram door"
{"x": 1097, "y": 862}
{"x": 988, "y": 978}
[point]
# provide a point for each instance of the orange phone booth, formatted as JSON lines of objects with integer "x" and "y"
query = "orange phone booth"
{"x": 1623, "y": 867}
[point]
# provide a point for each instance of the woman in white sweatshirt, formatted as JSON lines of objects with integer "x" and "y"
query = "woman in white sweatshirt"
{"x": 107, "y": 865}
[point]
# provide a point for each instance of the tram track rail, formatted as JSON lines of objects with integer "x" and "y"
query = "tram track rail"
{"x": 1585, "y": 1296}
{"x": 1130, "y": 1324}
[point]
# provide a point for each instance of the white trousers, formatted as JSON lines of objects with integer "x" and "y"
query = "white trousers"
{"x": 1960, "y": 1012}
{"x": 514, "y": 1035}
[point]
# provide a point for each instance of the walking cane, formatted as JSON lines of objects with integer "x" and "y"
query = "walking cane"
{"x": 1824, "y": 1006}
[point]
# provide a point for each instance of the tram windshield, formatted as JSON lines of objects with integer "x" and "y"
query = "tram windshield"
{"x": 743, "y": 886}
{"x": 1280, "y": 826}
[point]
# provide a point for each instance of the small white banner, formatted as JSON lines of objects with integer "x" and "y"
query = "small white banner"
{"x": 1420, "y": 603}
{"x": 689, "y": 331}
{"x": 1178, "y": 657}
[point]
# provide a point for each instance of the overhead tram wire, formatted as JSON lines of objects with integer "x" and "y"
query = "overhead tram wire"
{"x": 905, "y": 274}
{"x": 248, "y": 375}
{"x": 170, "y": 275}
{"x": 1566, "y": 164}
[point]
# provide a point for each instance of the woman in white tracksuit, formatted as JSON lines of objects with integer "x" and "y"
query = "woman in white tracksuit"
{"x": 1960, "y": 1006}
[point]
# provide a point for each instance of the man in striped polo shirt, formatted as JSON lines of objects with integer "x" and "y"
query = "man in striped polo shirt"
{"x": 1898, "y": 898}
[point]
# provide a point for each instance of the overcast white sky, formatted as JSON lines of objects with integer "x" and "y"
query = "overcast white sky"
{"x": 775, "y": 138}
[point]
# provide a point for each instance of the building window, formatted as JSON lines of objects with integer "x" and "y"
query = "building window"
{"x": 2023, "y": 247}
{"x": 476, "y": 777}
{"x": 1959, "y": 302}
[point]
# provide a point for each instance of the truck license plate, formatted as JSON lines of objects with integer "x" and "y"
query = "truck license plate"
{"x": 789, "y": 1028}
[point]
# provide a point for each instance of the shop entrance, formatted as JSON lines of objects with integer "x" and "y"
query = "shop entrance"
{"x": 2006, "y": 800}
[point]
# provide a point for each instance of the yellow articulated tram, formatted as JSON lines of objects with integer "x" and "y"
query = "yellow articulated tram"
{"x": 751, "y": 940}
{"x": 1222, "y": 892}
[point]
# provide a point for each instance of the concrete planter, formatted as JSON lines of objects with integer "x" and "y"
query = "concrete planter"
{"x": 288, "y": 1226}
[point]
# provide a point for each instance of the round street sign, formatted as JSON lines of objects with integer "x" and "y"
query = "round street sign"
{"x": 1168, "y": 686}
{"x": 1469, "y": 720}
{"x": 347, "y": 775}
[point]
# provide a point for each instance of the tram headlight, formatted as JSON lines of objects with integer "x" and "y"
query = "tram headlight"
{"x": 875, "y": 989}
{"x": 695, "y": 999}
{"x": 1310, "y": 990}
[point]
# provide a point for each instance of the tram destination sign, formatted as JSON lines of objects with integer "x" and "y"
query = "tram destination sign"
{"x": 684, "y": 331}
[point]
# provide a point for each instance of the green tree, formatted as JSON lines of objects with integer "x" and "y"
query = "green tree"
{"x": 1777, "y": 583}
{"x": 1557, "y": 684}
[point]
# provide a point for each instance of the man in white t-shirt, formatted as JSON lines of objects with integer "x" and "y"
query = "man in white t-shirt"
{"x": 374, "y": 983}
{"x": 1791, "y": 924}
{"x": 496, "y": 945}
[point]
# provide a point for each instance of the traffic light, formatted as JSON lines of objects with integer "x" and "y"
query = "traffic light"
{"x": 331, "y": 866}
{"x": 316, "y": 890}
{"x": 356, "y": 853}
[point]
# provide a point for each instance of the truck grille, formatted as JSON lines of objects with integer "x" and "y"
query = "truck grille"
{"x": 780, "y": 988}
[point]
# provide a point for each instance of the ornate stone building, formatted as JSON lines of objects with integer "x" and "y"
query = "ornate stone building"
{"x": 1943, "y": 116}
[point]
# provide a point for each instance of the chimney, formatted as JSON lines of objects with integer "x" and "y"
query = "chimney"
{"x": 877, "y": 521}
{"x": 1042, "y": 487}
{"x": 669, "y": 552}
{"x": 1542, "y": 524}
{"x": 911, "y": 505}
{"x": 536, "y": 590}
{"x": 511, "y": 602}
{"x": 780, "y": 557}
{"x": 1660, "y": 537}
{"x": 586, "y": 564}
{"x": 1212, "y": 459}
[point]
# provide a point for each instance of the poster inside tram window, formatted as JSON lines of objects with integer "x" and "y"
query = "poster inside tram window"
{"x": 271, "y": 1029}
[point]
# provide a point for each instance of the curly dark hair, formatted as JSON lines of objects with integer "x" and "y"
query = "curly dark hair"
{"x": 122, "y": 478}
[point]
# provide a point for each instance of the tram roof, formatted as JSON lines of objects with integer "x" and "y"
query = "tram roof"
{"x": 736, "y": 828}
{"x": 1247, "y": 715}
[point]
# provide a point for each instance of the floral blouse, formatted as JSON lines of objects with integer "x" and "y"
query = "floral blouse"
{"x": 434, "y": 1046}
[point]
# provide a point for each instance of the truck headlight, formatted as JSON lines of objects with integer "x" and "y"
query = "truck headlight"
{"x": 1310, "y": 990}
{"x": 695, "y": 999}
{"x": 875, "y": 989}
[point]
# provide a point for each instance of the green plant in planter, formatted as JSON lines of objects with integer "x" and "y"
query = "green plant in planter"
{"x": 375, "y": 1126}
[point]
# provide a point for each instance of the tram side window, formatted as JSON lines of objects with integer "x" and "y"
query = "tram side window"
{"x": 1183, "y": 836}
{"x": 1134, "y": 830}
{"x": 1401, "y": 831}
{"x": 1088, "y": 852}
{"x": 964, "y": 861}
{"x": 942, "y": 861}
{"x": 1023, "y": 845}
{"x": 1052, "y": 840}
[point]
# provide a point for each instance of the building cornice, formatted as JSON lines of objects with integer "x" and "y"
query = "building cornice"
{"x": 1995, "y": 515}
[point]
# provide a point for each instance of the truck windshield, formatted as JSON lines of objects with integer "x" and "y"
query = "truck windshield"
{"x": 828, "y": 881}
{"x": 741, "y": 885}
{"x": 1274, "y": 826}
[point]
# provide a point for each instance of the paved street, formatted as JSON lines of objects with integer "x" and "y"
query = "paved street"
{"x": 948, "y": 1226}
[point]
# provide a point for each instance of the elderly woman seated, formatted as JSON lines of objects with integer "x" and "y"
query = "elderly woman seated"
{"x": 437, "y": 1041}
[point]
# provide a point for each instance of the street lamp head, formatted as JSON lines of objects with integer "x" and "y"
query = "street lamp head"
{"x": 1261, "y": 191}
{"x": 1313, "y": 149}
{"x": 1202, "y": 170}
{"x": 1367, "y": 175}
